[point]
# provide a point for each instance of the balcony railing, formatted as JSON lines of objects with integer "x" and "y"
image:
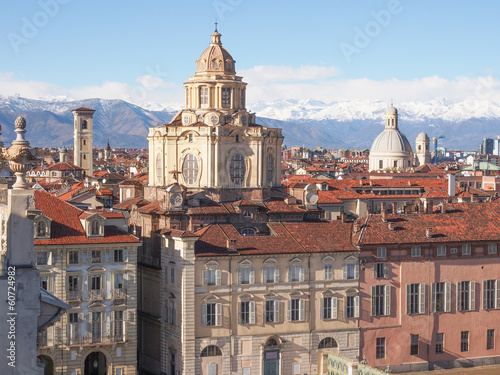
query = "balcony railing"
{"x": 96, "y": 294}
{"x": 100, "y": 339}
{"x": 119, "y": 293}
{"x": 73, "y": 296}
{"x": 149, "y": 260}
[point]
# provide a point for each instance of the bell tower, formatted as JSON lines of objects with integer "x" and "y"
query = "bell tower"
{"x": 83, "y": 134}
{"x": 422, "y": 152}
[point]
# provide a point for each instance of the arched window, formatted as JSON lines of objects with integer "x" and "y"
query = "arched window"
{"x": 158, "y": 169}
{"x": 94, "y": 227}
{"x": 211, "y": 351}
{"x": 84, "y": 124}
{"x": 248, "y": 232}
{"x": 190, "y": 169}
{"x": 40, "y": 229}
{"x": 203, "y": 96}
{"x": 237, "y": 169}
{"x": 270, "y": 164}
{"x": 271, "y": 343}
{"x": 242, "y": 98}
{"x": 327, "y": 342}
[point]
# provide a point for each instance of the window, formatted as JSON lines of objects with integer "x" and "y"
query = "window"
{"x": 466, "y": 249}
{"x": 247, "y": 215}
{"x": 271, "y": 313}
{"x": 211, "y": 351}
{"x": 352, "y": 307}
{"x": 466, "y": 295}
{"x": 190, "y": 138}
{"x": 296, "y": 309}
{"x": 203, "y": 95}
{"x": 415, "y": 298}
{"x": 237, "y": 138}
{"x": 351, "y": 271}
{"x": 492, "y": 248}
{"x": 211, "y": 314}
{"x": 118, "y": 281}
{"x": 95, "y": 282}
{"x": 416, "y": 251}
{"x": 381, "y": 300}
{"x": 464, "y": 342}
{"x": 439, "y": 342}
{"x": 42, "y": 257}
{"x": 382, "y": 252}
{"x": 171, "y": 310}
{"x": 118, "y": 325}
{"x": 96, "y": 326}
{"x": 211, "y": 277}
{"x": 248, "y": 232}
{"x": 96, "y": 256}
{"x": 329, "y": 307}
{"x": 73, "y": 257}
{"x": 380, "y": 270}
{"x": 41, "y": 229}
{"x": 73, "y": 284}
{"x": 380, "y": 348}
{"x": 491, "y": 294}
{"x": 295, "y": 273}
{"x": 237, "y": 169}
{"x": 441, "y": 251}
{"x": 270, "y": 169}
{"x": 84, "y": 124}
{"x": 172, "y": 274}
{"x": 270, "y": 274}
{"x": 246, "y": 275}
{"x": 327, "y": 342}
{"x": 242, "y": 98}
{"x": 328, "y": 271}
{"x": 380, "y": 164}
{"x": 247, "y": 312}
{"x": 95, "y": 227}
{"x": 413, "y": 344}
{"x": 190, "y": 169}
{"x": 118, "y": 256}
{"x": 226, "y": 96}
{"x": 490, "y": 339}
{"x": 441, "y": 297}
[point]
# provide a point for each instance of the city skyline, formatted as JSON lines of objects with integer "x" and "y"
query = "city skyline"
{"x": 326, "y": 51}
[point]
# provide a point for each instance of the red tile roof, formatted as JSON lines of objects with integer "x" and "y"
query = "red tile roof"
{"x": 84, "y": 109}
{"x": 66, "y": 227}
{"x": 63, "y": 167}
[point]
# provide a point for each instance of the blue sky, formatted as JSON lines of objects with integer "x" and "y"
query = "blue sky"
{"x": 326, "y": 50}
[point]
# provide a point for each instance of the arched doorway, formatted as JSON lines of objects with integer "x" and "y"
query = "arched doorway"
{"x": 95, "y": 364}
{"x": 327, "y": 345}
{"x": 48, "y": 365}
{"x": 272, "y": 357}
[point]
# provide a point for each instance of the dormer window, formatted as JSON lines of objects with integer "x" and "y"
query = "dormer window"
{"x": 42, "y": 227}
{"x": 94, "y": 225}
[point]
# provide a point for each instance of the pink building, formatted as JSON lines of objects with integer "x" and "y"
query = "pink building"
{"x": 429, "y": 288}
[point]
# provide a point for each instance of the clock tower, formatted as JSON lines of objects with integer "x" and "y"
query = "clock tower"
{"x": 83, "y": 127}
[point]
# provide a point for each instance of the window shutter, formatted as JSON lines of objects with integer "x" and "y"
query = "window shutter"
{"x": 83, "y": 255}
{"x": 88, "y": 319}
{"x": 447, "y": 289}
{"x": 387, "y": 297}
{"x": 276, "y": 310}
{"x": 125, "y": 255}
{"x": 252, "y": 276}
{"x": 459, "y": 292}
{"x": 356, "y": 271}
{"x": 204, "y": 314}
{"x": 334, "y": 307}
{"x": 433, "y": 298}
{"x": 373, "y": 301}
{"x": 322, "y": 308}
{"x": 217, "y": 276}
{"x": 497, "y": 294}
{"x": 204, "y": 275}
{"x": 302, "y": 309}
{"x": 421, "y": 298}
{"x": 344, "y": 270}
{"x": 386, "y": 270}
{"x": 472, "y": 299}
{"x": 374, "y": 271}
{"x": 252, "y": 312}
{"x": 301, "y": 273}
{"x": 356, "y": 306}
{"x": 265, "y": 271}
{"x": 89, "y": 283}
{"x": 49, "y": 258}
{"x": 408, "y": 299}
{"x": 485, "y": 283}
{"x": 107, "y": 257}
{"x": 218, "y": 312}
{"x": 89, "y": 256}
{"x": 108, "y": 323}
{"x": 239, "y": 276}
{"x": 276, "y": 275}
{"x": 289, "y": 310}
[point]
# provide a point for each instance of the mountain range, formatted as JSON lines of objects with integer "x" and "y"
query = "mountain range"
{"x": 311, "y": 123}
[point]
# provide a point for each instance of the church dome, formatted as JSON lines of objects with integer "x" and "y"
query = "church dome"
{"x": 391, "y": 111}
{"x": 422, "y": 136}
{"x": 215, "y": 59}
{"x": 391, "y": 141}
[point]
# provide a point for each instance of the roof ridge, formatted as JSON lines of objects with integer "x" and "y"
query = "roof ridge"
{"x": 291, "y": 235}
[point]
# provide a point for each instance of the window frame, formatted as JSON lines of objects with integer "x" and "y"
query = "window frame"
{"x": 380, "y": 348}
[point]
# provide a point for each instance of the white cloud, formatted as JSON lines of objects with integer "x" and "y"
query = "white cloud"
{"x": 282, "y": 73}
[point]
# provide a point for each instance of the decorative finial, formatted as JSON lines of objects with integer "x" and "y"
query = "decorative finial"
{"x": 392, "y": 105}
{"x": 216, "y": 24}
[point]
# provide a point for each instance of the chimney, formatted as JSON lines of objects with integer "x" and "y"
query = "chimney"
{"x": 356, "y": 226}
{"x": 428, "y": 233}
{"x": 473, "y": 198}
{"x": 409, "y": 183}
{"x": 343, "y": 217}
{"x": 231, "y": 246}
{"x": 430, "y": 207}
{"x": 443, "y": 207}
{"x": 394, "y": 207}
{"x": 451, "y": 185}
{"x": 384, "y": 216}
{"x": 360, "y": 182}
{"x": 390, "y": 226}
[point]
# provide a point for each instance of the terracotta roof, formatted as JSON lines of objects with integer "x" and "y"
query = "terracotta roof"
{"x": 63, "y": 167}
{"x": 84, "y": 109}
{"x": 66, "y": 227}
{"x": 127, "y": 204}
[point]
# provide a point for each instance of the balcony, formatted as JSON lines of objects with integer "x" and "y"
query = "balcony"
{"x": 96, "y": 294}
{"x": 148, "y": 260}
{"x": 101, "y": 339}
{"x": 119, "y": 293}
{"x": 73, "y": 296}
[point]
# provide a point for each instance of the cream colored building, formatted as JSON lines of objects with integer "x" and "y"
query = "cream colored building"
{"x": 391, "y": 149}
{"x": 83, "y": 138}
{"x": 275, "y": 304}
{"x": 214, "y": 142}
{"x": 422, "y": 151}
{"x": 87, "y": 259}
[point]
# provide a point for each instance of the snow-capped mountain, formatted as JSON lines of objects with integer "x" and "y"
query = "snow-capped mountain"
{"x": 311, "y": 123}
